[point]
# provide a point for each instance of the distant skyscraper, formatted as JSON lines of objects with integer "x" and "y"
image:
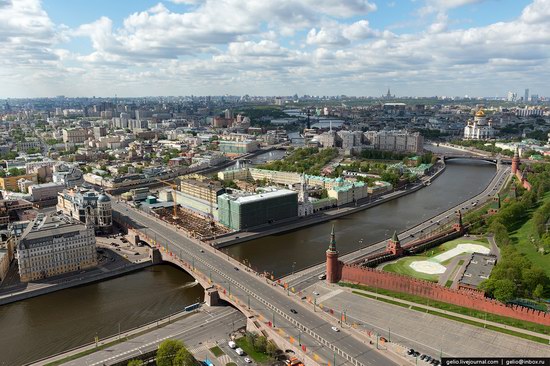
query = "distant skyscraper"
{"x": 526, "y": 96}
{"x": 511, "y": 97}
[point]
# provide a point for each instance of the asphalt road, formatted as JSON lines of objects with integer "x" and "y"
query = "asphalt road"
{"x": 210, "y": 324}
{"x": 269, "y": 301}
{"x": 303, "y": 279}
{"x": 426, "y": 333}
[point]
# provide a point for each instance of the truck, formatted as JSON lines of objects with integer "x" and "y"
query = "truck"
{"x": 239, "y": 351}
{"x": 232, "y": 344}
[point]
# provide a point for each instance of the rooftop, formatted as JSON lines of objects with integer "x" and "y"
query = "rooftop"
{"x": 50, "y": 225}
{"x": 478, "y": 269}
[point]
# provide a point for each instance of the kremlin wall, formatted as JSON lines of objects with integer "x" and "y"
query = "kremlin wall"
{"x": 337, "y": 271}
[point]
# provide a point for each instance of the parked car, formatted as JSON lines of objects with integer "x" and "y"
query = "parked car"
{"x": 335, "y": 329}
{"x": 239, "y": 351}
{"x": 247, "y": 360}
{"x": 232, "y": 344}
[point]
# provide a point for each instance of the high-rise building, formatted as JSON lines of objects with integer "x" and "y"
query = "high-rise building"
{"x": 526, "y": 96}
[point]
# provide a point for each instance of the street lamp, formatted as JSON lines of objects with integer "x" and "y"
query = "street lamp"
{"x": 293, "y": 264}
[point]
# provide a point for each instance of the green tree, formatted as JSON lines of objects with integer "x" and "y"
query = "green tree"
{"x": 539, "y": 291}
{"x": 250, "y": 338}
{"x": 135, "y": 363}
{"x": 167, "y": 352}
{"x": 271, "y": 348}
{"x": 184, "y": 358}
{"x": 260, "y": 344}
{"x": 505, "y": 290}
{"x": 532, "y": 278}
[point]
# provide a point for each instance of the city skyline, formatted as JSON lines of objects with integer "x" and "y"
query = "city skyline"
{"x": 205, "y": 47}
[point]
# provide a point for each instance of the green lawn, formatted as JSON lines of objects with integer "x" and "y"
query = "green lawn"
{"x": 402, "y": 266}
{"x": 216, "y": 351}
{"x": 539, "y": 328}
{"x": 256, "y": 356}
{"x": 522, "y": 241}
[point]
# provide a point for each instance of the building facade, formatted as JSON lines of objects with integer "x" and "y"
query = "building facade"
{"x": 10, "y": 183}
{"x": 400, "y": 141}
{"x": 243, "y": 210}
{"x": 87, "y": 206}
{"x": 52, "y": 245}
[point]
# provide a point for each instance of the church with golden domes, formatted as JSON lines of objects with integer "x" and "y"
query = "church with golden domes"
{"x": 479, "y": 128}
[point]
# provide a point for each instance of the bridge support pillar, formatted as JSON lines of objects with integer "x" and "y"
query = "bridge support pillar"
{"x": 211, "y": 297}
{"x": 156, "y": 256}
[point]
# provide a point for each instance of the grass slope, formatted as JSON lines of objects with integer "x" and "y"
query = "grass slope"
{"x": 522, "y": 241}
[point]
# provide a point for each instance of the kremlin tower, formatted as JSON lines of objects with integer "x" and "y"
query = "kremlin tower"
{"x": 394, "y": 245}
{"x": 333, "y": 266}
{"x": 515, "y": 162}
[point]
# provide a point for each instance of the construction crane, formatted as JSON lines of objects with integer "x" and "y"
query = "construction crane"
{"x": 173, "y": 186}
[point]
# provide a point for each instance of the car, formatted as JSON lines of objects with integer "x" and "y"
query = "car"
{"x": 239, "y": 351}
{"x": 293, "y": 311}
{"x": 235, "y": 268}
{"x": 335, "y": 329}
{"x": 423, "y": 357}
{"x": 202, "y": 250}
{"x": 315, "y": 293}
{"x": 232, "y": 344}
{"x": 428, "y": 358}
{"x": 247, "y": 360}
{"x": 322, "y": 276}
{"x": 410, "y": 352}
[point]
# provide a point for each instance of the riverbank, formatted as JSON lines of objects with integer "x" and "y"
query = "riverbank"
{"x": 283, "y": 227}
{"x": 74, "y": 280}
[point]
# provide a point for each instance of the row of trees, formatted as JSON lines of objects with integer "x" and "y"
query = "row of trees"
{"x": 171, "y": 352}
{"x": 515, "y": 275}
{"x": 12, "y": 172}
{"x": 261, "y": 344}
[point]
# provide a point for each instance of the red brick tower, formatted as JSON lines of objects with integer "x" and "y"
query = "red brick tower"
{"x": 515, "y": 162}
{"x": 458, "y": 225}
{"x": 394, "y": 245}
{"x": 332, "y": 260}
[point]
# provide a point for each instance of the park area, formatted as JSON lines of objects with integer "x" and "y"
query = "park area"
{"x": 431, "y": 264}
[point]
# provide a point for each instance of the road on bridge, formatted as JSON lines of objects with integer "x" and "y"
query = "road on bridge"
{"x": 267, "y": 300}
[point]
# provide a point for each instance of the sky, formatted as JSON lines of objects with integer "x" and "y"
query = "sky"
{"x": 273, "y": 47}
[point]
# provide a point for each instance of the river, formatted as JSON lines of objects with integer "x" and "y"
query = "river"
{"x": 283, "y": 253}
{"x": 45, "y": 325}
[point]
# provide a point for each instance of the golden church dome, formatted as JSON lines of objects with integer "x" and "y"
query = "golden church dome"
{"x": 480, "y": 113}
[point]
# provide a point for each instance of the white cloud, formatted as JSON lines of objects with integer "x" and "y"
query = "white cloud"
{"x": 271, "y": 47}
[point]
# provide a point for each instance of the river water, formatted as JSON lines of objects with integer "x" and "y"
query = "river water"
{"x": 59, "y": 321}
{"x": 283, "y": 253}
{"x": 45, "y": 325}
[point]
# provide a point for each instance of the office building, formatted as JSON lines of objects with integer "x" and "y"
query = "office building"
{"x": 242, "y": 210}
{"x": 53, "y": 245}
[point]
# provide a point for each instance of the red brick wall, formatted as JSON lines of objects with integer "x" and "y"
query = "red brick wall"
{"x": 469, "y": 299}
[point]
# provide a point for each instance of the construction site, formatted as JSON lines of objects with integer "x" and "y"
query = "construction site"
{"x": 196, "y": 225}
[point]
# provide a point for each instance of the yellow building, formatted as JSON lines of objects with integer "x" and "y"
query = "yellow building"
{"x": 9, "y": 183}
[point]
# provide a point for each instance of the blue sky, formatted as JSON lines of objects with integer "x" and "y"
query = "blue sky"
{"x": 263, "y": 47}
